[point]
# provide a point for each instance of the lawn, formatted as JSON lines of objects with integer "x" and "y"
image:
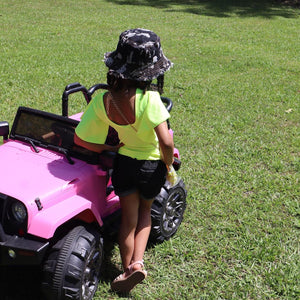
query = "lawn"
{"x": 236, "y": 90}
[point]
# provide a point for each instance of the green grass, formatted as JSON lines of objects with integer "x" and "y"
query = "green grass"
{"x": 236, "y": 90}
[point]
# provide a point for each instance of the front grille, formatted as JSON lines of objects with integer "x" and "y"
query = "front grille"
{"x": 3, "y": 200}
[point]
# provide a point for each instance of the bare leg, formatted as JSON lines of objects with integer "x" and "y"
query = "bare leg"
{"x": 142, "y": 232}
{"x": 130, "y": 211}
{"x": 135, "y": 229}
{"x": 133, "y": 238}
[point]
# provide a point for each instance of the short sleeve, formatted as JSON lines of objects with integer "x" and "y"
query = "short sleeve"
{"x": 156, "y": 112}
{"x": 92, "y": 127}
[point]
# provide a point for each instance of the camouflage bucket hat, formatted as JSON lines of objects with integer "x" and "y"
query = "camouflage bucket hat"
{"x": 138, "y": 56}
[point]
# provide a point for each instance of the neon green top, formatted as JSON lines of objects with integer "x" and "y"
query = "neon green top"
{"x": 141, "y": 141}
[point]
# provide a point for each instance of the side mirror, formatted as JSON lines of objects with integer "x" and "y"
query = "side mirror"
{"x": 4, "y": 130}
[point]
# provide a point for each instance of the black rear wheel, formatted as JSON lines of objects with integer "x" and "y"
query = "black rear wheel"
{"x": 72, "y": 268}
{"x": 167, "y": 212}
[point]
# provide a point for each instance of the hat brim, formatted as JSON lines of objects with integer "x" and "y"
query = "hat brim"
{"x": 135, "y": 72}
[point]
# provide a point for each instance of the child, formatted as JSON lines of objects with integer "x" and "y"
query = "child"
{"x": 146, "y": 146}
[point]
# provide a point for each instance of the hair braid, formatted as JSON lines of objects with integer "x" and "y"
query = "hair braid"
{"x": 160, "y": 84}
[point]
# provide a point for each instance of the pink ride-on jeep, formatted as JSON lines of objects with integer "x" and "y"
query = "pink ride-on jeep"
{"x": 57, "y": 203}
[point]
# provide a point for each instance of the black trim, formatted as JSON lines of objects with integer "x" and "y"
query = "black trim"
{"x": 4, "y": 129}
{"x": 27, "y": 251}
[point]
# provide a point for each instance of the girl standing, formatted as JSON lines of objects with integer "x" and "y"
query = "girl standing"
{"x": 146, "y": 146}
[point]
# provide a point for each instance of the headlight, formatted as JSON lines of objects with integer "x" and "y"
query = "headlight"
{"x": 19, "y": 211}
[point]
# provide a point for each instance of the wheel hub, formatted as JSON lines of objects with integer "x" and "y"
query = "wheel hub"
{"x": 90, "y": 275}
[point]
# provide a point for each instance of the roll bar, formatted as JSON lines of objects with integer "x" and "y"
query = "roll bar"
{"x": 87, "y": 93}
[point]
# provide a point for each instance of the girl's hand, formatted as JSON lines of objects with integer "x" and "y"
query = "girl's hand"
{"x": 114, "y": 148}
{"x": 96, "y": 147}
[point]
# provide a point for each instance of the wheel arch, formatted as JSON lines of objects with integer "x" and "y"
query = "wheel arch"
{"x": 47, "y": 221}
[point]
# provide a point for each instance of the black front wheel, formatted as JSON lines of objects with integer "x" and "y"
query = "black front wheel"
{"x": 72, "y": 268}
{"x": 167, "y": 212}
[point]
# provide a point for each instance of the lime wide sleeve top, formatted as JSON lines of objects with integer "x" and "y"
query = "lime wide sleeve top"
{"x": 139, "y": 139}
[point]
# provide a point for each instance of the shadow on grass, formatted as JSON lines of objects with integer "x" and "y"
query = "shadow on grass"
{"x": 219, "y": 8}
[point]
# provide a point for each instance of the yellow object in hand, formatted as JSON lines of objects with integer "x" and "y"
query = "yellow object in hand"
{"x": 172, "y": 176}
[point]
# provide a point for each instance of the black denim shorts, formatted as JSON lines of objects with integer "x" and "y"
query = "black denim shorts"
{"x": 145, "y": 176}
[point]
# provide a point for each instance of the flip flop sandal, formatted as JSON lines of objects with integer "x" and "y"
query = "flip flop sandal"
{"x": 126, "y": 284}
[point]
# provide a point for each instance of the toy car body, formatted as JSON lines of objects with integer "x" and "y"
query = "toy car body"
{"x": 57, "y": 202}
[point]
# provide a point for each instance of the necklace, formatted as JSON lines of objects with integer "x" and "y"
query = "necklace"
{"x": 115, "y": 104}
{"x": 122, "y": 114}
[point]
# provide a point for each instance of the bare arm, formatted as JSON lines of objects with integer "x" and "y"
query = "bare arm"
{"x": 165, "y": 142}
{"x": 95, "y": 147}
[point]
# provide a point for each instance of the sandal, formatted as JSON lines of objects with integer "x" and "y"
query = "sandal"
{"x": 126, "y": 284}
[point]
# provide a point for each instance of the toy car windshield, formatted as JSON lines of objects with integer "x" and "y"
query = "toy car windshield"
{"x": 50, "y": 131}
